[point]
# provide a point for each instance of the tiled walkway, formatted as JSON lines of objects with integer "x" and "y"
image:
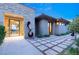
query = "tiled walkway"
{"x": 52, "y": 45}
{"x": 39, "y": 46}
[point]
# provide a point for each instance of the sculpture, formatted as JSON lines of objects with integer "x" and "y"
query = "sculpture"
{"x": 30, "y": 34}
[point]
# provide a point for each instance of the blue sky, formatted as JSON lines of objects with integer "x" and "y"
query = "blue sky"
{"x": 64, "y": 10}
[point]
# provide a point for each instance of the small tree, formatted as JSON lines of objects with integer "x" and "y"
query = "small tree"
{"x": 2, "y": 33}
{"x": 74, "y": 26}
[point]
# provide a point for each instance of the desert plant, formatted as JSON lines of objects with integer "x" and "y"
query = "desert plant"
{"x": 2, "y": 33}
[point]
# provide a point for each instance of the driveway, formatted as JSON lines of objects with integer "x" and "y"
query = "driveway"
{"x": 39, "y": 46}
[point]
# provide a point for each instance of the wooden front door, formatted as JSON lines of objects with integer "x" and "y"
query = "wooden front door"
{"x": 14, "y": 26}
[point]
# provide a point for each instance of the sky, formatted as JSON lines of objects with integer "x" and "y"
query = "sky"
{"x": 65, "y": 10}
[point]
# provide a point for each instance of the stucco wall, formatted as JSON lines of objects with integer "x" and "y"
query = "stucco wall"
{"x": 43, "y": 26}
{"x": 1, "y": 22}
{"x": 19, "y": 9}
{"x": 54, "y": 29}
{"x": 61, "y": 29}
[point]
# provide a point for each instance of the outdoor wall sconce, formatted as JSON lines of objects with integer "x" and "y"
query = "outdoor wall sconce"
{"x": 30, "y": 34}
{"x": 57, "y": 23}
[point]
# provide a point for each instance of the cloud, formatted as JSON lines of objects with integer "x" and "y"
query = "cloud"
{"x": 48, "y": 9}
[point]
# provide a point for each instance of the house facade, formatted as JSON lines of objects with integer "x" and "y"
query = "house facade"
{"x": 15, "y": 18}
{"x": 46, "y": 25}
{"x": 20, "y": 20}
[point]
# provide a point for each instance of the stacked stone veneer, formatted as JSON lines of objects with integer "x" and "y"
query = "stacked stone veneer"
{"x": 19, "y": 9}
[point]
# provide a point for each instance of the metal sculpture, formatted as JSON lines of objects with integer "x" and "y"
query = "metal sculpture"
{"x": 30, "y": 34}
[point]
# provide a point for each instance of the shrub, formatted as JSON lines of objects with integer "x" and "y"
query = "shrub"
{"x": 63, "y": 34}
{"x": 2, "y": 33}
{"x": 41, "y": 36}
{"x": 77, "y": 42}
{"x": 73, "y": 51}
{"x": 46, "y": 35}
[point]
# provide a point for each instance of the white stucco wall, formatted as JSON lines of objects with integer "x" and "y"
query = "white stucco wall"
{"x": 43, "y": 26}
{"x": 53, "y": 28}
{"x": 1, "y": 22}
{"x": 19, "y": 9}
{"x": 61, "y": 29}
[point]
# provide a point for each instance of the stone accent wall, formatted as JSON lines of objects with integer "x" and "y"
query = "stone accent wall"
{"x": 19, "y": 9}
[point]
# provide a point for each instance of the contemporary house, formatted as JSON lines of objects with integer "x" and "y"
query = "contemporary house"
{"x": 20, "y": 20}
{"x": 15, "y": 18}
{"x": 46, "y": 25}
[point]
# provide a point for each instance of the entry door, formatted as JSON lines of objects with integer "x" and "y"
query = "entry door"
{"x": 14, "y": 27}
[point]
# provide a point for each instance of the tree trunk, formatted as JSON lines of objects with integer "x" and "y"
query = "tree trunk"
{"x": 75, "y": 36}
